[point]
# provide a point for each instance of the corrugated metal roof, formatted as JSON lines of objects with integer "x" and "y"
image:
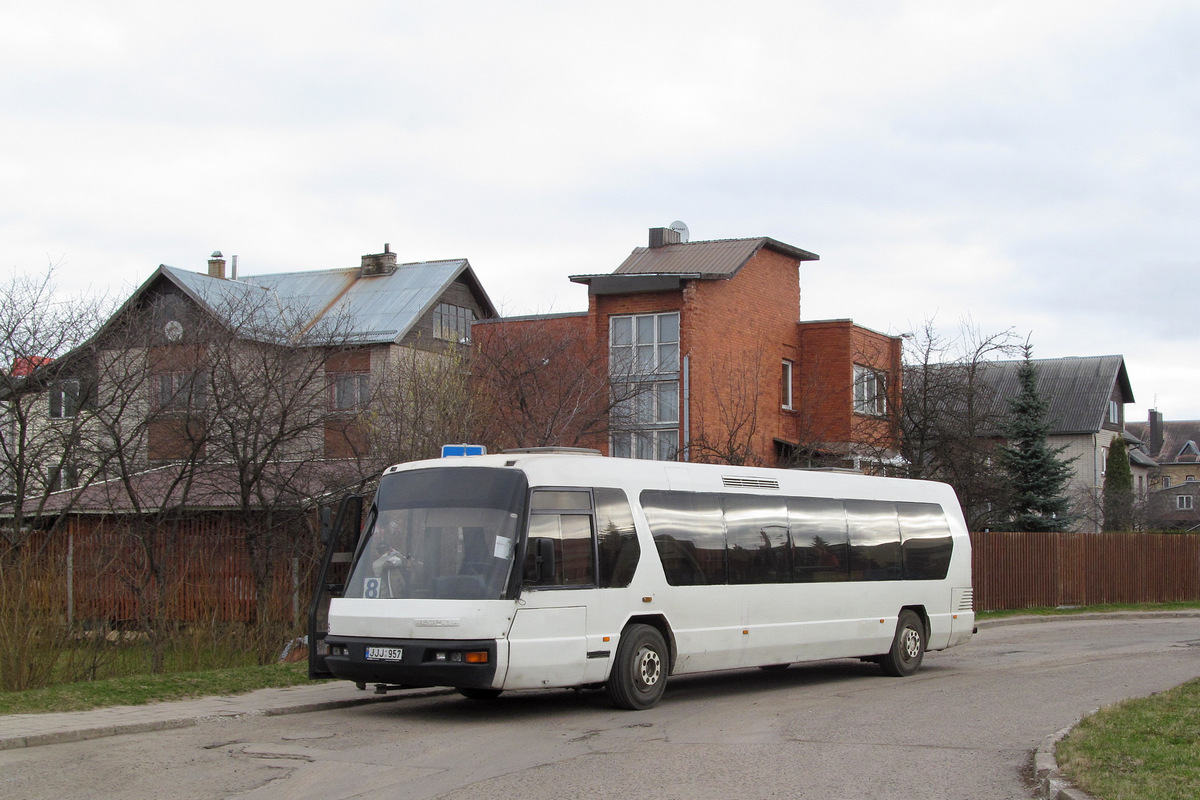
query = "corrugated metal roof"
{"x": 1077, "y": 389}
{"x": 375, "y": 309}
{"x": 716, "y": 259}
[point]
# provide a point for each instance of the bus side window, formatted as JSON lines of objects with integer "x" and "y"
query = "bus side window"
{"x": 618, "y": 542}
{"x": 820, "y": 546}
{"x": 689, "y": 533}
{"x": 756, "y": 532}
{"x": 925, "y": 541}
{"x": 874, "y": 540}
{"x": 556, "y": 516}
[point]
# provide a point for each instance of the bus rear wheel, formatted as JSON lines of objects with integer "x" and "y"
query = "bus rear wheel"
{"x": 908, "y": 647}
{"x": 639, "y": 673}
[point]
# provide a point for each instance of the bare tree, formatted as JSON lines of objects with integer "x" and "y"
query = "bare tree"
{"x": 545, "y": 384}
{"x": 949, "y": 416}
{"x": 419, "y": 401}
{"x": 726, "y": 424}
{"x": 42, "y": 394}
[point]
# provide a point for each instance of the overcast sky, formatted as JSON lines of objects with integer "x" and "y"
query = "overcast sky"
{"x": 1027, "y": 165}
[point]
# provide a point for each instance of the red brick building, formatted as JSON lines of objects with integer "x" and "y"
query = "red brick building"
{"x": 706, "y": 359}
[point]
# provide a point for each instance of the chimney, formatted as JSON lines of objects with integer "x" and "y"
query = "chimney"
{"x": 216, "y": 265}
{"x": 661, "y": 237}
{"x": 379, "y": 263}
{"x": 1156, "y": 432}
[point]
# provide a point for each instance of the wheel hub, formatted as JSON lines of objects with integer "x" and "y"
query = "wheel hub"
{"x": 649, "y": 666}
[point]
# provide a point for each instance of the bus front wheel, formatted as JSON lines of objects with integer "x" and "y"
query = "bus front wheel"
{"x": 908, "y": 647}
{"x": 639, "y": 673}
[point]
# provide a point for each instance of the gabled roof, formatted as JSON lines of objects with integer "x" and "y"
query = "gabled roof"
{"x": 710, "y": 260}
{"x": 376, "y": 309}
{"x": 1177, "y": 436}
{"x": 1077, "y": 389}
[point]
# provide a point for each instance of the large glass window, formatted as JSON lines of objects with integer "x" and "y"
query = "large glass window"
{"x": 756, "y": 533}
{"x": 689, "y": 534}
{"x": 644, "y": 349}
{"x": 874, "y": 540}
{"x": 821, "y": 546}
{"x": 924, "y": 541}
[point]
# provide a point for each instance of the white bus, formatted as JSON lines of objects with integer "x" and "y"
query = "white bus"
{"x": 531, "y": 570}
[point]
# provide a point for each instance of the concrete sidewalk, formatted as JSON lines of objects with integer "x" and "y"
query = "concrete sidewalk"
{"x": 31, "y": 730}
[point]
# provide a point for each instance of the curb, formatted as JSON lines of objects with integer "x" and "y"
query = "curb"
{"x": 191, "y": 720}
{"x": 1052, "y": 784}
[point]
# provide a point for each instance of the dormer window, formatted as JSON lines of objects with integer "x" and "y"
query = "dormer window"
{"x": 1189, "y": 449}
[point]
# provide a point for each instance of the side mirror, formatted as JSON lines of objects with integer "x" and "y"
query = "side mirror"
{"x": 539, "y": 563}
{"x": 326, "y": 525}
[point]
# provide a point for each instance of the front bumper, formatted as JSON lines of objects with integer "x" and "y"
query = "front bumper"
{"x": 425, "y": 662}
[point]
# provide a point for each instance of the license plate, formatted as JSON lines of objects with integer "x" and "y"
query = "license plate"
{"x": 385, "y": 653}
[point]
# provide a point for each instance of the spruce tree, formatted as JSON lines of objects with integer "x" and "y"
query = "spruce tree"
{"x": 1035, "y": 472}
{"x": 1118, "y": 488}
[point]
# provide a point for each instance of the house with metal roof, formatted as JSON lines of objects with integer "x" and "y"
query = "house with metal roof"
{"x": 1086, "y": 397}
{"x": 344, "y": 329}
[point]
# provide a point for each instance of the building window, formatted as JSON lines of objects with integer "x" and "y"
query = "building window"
{"x": 179, "y": 391}
{"x": 1166, "y": 481}
{"x": 1183, "y": 502}
{"x": 452, "y": 323}
{"x": 349, "y": 391}
{"x": 1103, "y": 461}
{"x": 644, "y": 344}
{"x": 643, "y": 349}
{"x": 870, "y": 391}
{"x": 1190, "y": 479}
{"x": 786, "y": 398}
{"x": 64, "y": 399}
{"x": 1114, "y": 412}
{"x": 65, "y": 476}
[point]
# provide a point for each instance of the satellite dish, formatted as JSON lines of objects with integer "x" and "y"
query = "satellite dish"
{"x": 681, "y": 228}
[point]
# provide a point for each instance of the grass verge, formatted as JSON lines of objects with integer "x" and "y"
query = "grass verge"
{"x": 1147, "y": 748}
{"x": 142, "y": 689}
{"x": 1097, "y": 609}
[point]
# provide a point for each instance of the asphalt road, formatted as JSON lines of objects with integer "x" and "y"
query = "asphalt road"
{"x": 964, "y": 727}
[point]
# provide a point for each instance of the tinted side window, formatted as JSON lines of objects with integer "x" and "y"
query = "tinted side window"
{"x": 689, "y": 535}
{"x": 756, "y": 533}
{"x": 820, "y": 546}
{"x": 925, "y": 541}
{"x": 571, "y": 533}
{"x": 874, "y": 540}
{"x": 619, "y": 548}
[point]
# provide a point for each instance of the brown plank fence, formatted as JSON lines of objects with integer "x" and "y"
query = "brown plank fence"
{"x": 1029, "y": 570}
{"x": 101, "y": 572}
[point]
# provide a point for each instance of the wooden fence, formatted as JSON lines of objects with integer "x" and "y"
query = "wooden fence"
{"x": 1028, "y": 570}
{"x": 100, "y": 571}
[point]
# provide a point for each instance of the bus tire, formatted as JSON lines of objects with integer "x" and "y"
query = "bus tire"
{"x": 639, "y": 673}
{"x": 908, "y": 647}
{"x": 476, "y": 693}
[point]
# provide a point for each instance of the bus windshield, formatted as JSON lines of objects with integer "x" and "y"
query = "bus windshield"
{"x": 444, "y": 533}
